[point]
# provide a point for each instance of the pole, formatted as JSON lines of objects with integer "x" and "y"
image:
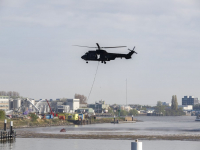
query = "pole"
{"x": 5, "y": 124}
{"x": 11, "y": 126}
{"x": 132, "y": 117}
{"x": 126, "y": 92}
{"x": 114, "y": 118}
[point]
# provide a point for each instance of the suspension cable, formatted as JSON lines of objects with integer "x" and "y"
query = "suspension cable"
{"x": 93, "y": 81}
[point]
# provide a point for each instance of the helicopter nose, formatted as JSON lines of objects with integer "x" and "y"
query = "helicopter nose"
{"x": 83, "y": 57}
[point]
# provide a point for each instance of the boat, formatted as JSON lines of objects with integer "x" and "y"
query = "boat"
{"x": 62, "y": 130}
{"x": 197, "y": 118}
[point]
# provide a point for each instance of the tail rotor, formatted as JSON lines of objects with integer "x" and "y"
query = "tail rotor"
{"x": 133, "y": 50}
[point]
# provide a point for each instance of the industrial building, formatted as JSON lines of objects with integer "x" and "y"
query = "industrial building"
{"x": 99, "y": 107}
{"x": 73, "y": 104}
{"x": 190, "y": 100}
{"x": 63, "y": 108}
{"x": 85, "y": 110}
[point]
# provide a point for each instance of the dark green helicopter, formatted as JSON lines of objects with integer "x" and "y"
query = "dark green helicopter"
{"x": 102, "y": 55}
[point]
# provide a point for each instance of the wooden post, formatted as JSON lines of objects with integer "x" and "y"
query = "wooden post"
{"x": 114, "y": 119}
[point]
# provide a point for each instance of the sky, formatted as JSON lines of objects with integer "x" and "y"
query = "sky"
{"x": 38, "y": 59}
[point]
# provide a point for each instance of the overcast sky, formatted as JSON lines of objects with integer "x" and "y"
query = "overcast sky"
{"x": 37, "y": 58}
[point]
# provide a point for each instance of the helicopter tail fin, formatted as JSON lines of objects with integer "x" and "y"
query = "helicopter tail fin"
{"x": 128, "y": 56}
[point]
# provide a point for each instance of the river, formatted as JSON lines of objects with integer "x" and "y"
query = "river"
{"x": 181, "y": 125}
{"x": 154, "y": 125}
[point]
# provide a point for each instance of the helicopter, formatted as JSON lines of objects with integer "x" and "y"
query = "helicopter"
{"x": 102, "y": 55}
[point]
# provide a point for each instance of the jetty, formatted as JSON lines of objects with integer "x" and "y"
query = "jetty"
{"x": 7, "y": 135}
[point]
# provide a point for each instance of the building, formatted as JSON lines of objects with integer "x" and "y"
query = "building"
{"x": 166, "y": 104}
{"x": 85, "y": 110}
{"x": 99, "y": 107}
{"x": 4, "y": 103}
{"x": 186, "y": 107}
{"x": 190, "y": 100}
{"x": 125, "y": 107}
{"x": 73, "y": 104}
{"x": 63, "y": 108}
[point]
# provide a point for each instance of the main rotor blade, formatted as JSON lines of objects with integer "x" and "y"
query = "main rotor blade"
{"x": 98, "y": 46}
{"x": 114, "y": 47}
{"x": 84, "y": 46}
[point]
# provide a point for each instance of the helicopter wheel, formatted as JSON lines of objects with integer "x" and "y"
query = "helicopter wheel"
{"x": 86, "y": 62}
{"x": 104, "y": 62}
{"x": 101, "y": 61}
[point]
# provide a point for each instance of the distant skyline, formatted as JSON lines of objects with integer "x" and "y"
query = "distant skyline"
{"x": 37, "y": 58}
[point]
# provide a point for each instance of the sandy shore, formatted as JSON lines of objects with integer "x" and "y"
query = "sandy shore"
{"x": 28, "y": 134}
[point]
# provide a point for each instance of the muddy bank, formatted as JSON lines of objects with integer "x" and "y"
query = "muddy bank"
{"x": 27, "y": 134}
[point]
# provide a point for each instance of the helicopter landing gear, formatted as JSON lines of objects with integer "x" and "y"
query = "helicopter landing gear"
{"x": 86, "y": 61}
{"x": 104, "y": 62}
{"x": 101, "y": 61}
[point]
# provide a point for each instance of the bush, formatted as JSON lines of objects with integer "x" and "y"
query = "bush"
{"x": 34, "y": 117}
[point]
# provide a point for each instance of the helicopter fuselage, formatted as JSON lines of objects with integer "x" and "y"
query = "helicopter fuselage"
{"x": 102, "y": 55}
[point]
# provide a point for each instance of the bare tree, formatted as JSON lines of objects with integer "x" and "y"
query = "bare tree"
{"x": 3, "y": 93}
{"x": 83, "y": 99}
{"x": 9, "y": 93}
{"x": 12, "y": 94}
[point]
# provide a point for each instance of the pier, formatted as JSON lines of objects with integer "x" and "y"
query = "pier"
{"x": 7, "y": 135}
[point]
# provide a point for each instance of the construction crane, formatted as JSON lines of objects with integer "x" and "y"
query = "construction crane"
{"x": 50, "y": 108}
{"x": 24, "y": 103}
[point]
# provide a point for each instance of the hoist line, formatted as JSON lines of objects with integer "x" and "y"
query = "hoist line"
{"x": 93, "y": 81}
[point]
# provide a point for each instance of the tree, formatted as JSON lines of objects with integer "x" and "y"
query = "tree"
{"x": 159, "y": 103}
{"x": 110, "y": 110}
{"x": 160, "y": 108}
{"x": 123, "y": 112}
{"x": 174, "y": 103}
{"x": 11, "y": 94}
{"x": 83, "y": 99}
{"x": 133, "y": 112}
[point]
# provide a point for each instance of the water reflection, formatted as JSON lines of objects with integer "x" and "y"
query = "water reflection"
{"x": 7, "y": 145}
{"x": 80, "y": 144}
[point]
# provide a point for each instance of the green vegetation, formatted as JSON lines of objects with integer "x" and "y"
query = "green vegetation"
{"x": 123, "y": 112}
{"x": 133, "y": 112}
{"x": 171, "y": 112}
{"x": 33, "y": 117}
{"x": 160, "y": 108}
{"x": 110, "y": 110}
{"x": 174, "y": 103}
{"x": 2, "y": 115}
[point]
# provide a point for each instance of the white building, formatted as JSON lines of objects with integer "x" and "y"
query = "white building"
{"x": 74, "y": 104}
{"x": 4, "y": 103}
{"x": 186, "y": 107}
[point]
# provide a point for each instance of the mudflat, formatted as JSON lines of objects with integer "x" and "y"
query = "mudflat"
{"x": 30, "y": 134}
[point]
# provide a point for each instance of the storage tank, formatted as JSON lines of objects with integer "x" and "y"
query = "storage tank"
{"x": 16, "y": 103}
{"x": 10, "y": 104}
